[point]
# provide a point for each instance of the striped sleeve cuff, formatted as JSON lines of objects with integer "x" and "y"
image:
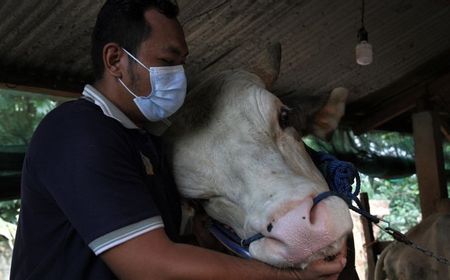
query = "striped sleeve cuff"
{"x": 124, "y": 234}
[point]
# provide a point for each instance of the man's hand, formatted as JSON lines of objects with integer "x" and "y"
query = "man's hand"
{"x": 153, "y": 256}
{"x": 322, "y": 269}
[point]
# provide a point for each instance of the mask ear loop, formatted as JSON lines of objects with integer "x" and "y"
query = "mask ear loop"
{"x": 140, "y": 63}
{"x": 129, "y": 90}
{"x": 137, "y": 60}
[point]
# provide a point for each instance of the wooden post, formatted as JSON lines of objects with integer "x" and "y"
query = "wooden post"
{"x": 429, "y": 161}
{"x": 368, "y": 238}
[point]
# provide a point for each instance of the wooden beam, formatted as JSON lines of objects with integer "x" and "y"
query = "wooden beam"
{"x": 444, "y": 205}
{"x": 429, "y": 161}
{"x": 389, "y": 110}
{"x": 405, "y": 101}
{"x": 378, "y": 108}
{"x": 369, "y": 238}
{"x": 44, "y": 79}
{"x": 39, "y": 90}
{"x": 11, "y": 161}
{"x": 9, "y": 187}
{"x": 440, "y": 86}
{"x": 445, "y": 129}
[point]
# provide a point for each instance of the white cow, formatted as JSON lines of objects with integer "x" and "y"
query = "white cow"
{"x": 401, "y": 262}
{"x": 234, "y": 149}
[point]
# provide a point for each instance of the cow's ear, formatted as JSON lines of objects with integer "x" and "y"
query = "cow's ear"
{"x": 327, "y": 119}
{"x": 267, "y": 64}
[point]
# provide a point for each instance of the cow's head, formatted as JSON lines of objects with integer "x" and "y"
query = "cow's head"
{"x": 235, "y": 149}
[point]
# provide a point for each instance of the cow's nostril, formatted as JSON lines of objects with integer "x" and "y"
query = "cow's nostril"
{"x": 269, "y": 227}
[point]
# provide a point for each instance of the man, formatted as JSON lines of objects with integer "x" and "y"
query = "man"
{"x": 98, "y": 201}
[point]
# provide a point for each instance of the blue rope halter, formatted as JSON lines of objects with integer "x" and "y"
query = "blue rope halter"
{"x": 340, "y": 176}
{"x": 231, "y": 240}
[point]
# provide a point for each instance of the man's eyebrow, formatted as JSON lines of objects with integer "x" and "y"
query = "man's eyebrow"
{"x": 175, "y": 50}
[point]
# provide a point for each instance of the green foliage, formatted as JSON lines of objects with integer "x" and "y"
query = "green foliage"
{"x": 402, "y": 193}
{"x": 19, "y": 114}
{"x": 370, "y": 144}
{"x": 386, "y": 144}
{"x": 9, "y": 210}
{"x": 403, "y": 197}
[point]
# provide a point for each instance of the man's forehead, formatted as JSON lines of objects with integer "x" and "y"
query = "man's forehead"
{"x": 161, "y": 22}
{"x": 166, "y": 33}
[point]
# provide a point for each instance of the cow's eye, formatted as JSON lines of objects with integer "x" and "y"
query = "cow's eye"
{"x": 283, "y": 118}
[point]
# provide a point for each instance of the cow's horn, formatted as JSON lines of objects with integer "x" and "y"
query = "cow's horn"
{"x": 268, "y": 64}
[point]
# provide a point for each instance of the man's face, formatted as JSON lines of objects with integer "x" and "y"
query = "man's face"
{"x": 166, "y": 46}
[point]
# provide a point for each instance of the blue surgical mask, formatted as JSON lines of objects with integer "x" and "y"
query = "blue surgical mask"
{"x": 167, "y": 93}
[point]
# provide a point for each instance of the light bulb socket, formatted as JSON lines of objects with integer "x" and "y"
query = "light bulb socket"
{"x": 363, "y": 35}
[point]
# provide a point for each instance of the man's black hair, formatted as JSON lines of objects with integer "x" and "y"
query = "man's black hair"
{"x": 123, "y": 22}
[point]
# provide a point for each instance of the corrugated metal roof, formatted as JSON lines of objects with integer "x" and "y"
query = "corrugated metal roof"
{"x": 47, "y": 41}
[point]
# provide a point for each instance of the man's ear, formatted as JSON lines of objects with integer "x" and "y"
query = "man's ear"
{"x": 114, "y": 60}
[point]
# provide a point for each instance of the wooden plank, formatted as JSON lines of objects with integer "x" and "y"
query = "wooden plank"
{"x": 429, "y": 161}
{"x": 444, "y": 205}
{"x": 374, "y": 110}
{"x": 43, "y": 79}
{"x": 9, "y": 187}
{"x": 372, "y": 103}
{"x": 402, "y": 102}
{"x": 440, "y": 86}
{"x": 391, "y": 109}
{"x": 445, "y": 129}
{"x": 11, "y": 161}
{"x": 369, "y": 239}
{"x": 39, "y": 90}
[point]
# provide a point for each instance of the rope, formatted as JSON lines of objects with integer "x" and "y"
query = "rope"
{"x": 340, "y": 176}
{"x": 231, "y": 240}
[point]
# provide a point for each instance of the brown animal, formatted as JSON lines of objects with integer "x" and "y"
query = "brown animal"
{"x": 401, "y": 262}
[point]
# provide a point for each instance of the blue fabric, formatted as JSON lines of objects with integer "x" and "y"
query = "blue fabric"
{"x": 82, "y": 178}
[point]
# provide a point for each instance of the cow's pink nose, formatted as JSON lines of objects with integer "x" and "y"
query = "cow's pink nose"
{"x": 305, "y": 229}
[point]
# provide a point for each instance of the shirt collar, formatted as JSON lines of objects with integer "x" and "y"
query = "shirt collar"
{"x": 111, "y": 110}
{"x": 108, "y": 108}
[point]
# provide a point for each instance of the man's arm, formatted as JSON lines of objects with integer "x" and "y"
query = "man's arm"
{"x": 153, "y": 256}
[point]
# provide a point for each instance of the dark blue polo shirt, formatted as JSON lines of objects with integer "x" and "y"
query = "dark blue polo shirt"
{"x": 91, "y": 180}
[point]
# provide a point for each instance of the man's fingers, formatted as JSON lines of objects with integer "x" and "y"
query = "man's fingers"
{"x": 328, "y": 268}
{"x": 332, "y": 277}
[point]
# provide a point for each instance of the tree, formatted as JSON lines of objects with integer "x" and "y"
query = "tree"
{"x": 19, "y": 114}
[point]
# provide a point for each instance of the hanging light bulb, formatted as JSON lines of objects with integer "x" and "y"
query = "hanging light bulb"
{"x": 364, "y": 54}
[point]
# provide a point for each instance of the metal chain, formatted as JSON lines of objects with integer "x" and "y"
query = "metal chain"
{"x": 400, "y": 237}
{"x": 431, "y": 254}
